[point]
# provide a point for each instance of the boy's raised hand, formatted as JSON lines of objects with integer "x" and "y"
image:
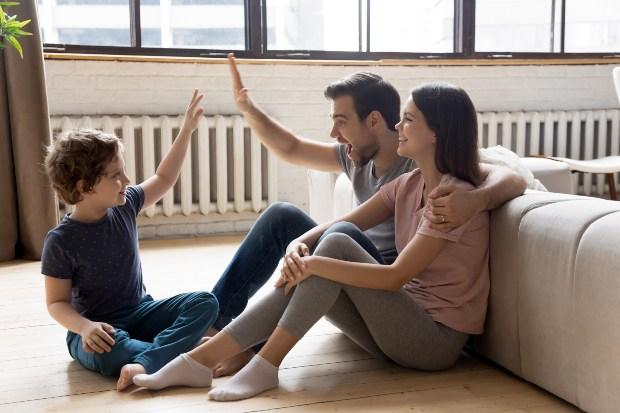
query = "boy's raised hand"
{"x": 193, "y": 113}
{"x": 242, "y": 99}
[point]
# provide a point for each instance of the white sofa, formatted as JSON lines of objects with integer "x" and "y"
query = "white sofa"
{"x": 555, "y": 294}
{"x": 554, "y": 309}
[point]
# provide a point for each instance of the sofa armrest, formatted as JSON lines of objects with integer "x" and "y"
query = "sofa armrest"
{"x": 554, "y": 175}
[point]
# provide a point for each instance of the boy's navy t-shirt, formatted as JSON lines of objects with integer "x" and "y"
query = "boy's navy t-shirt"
{"x": 101, "y": 259}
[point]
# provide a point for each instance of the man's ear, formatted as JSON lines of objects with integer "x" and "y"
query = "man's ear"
{"x": 375, "y": 118}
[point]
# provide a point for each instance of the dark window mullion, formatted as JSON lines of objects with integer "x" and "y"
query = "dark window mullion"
{"x": 256, "y": 30}
{"x": 468, "y": 27}
{"x": 465, "y": 27}
{"x": 135, "y": 31}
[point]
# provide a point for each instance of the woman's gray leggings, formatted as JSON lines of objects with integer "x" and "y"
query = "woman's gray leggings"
{"x": 385, "y": 324}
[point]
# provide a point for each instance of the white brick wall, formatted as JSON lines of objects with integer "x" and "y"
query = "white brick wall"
{"x": 294, "y": 93}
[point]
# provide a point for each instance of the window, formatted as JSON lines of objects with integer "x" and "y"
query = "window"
{"x": 514, "y": 25}
{"x": 335, "y": 29}
{"x": 425, "y": 26}
{"x": 198, "y": 24}
{"x": 592, "y": 26}
{"x": 313, "y": 25}
{"x": 402, "y": 26}
{"x": 85, "y": 22}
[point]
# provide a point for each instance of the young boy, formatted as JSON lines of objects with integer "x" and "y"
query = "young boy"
{"x": 91, "y": 263}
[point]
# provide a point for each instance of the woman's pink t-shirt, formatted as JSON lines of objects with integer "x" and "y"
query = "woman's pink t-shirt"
{"x": 454, "y": 288}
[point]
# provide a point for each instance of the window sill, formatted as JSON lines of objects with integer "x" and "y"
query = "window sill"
{"x": 383, "y": 62}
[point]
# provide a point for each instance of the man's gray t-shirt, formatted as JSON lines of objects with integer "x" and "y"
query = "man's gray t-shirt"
{"x": 365, "y": 185}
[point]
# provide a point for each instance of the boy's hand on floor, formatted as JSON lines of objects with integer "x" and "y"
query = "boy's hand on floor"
{"x": 97, "y": 337}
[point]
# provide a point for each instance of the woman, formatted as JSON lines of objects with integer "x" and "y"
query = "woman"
{"x": 417, "y": 312}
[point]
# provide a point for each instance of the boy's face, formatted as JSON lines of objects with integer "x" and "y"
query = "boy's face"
{"x": 349, "y": 129}
{"x": 109, "y": 191}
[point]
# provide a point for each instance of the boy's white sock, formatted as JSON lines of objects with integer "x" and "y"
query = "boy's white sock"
{"x": 181, "y": 371}
{"x": 256, "y": 377}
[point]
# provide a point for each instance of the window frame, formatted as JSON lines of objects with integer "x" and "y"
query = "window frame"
{"x": 256, "y": 41}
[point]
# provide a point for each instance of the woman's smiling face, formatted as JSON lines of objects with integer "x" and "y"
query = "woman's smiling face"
{"x": 415, "y": 138}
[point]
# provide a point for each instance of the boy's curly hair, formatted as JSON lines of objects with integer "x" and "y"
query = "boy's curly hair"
{"x": 79, "y": 154}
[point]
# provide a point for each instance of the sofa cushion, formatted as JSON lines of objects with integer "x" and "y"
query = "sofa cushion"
{"x": 597, "y": 315}
{"x": 549, "y": 238}
{"x": 500, "y": 342}
{"x": 555, "y": 292}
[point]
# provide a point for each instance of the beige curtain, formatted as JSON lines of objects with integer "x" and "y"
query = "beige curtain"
{"x": 27, "y": 205}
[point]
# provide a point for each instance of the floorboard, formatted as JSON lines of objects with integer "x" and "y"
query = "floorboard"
{"x": 325, "y": 372}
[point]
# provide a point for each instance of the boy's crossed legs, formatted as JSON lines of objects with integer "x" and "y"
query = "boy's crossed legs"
{"x": 149, "y": 335}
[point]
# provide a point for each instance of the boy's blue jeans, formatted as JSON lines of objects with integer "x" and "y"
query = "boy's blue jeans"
{"x": 261, "y": 250}
{"x": 151, "y": 333}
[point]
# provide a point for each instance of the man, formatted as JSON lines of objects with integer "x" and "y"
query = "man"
{"x": 364, "y": 109}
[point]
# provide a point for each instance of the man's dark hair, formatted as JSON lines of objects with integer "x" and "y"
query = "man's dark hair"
{"x": 450, "y": 113}
{"x": 369, "y": 92}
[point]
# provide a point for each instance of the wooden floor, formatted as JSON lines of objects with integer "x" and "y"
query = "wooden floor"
{"x": 324, "y": 373}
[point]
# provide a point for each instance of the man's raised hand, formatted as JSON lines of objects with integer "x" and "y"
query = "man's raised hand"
{"x": 242, "y": 99}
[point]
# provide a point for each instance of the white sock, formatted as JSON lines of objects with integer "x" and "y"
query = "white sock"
{"x": 180, "y": 371}
{"x": 256, "y": 377}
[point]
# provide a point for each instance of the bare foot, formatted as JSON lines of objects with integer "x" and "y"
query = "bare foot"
{"x": 202, "y": 341}
{"x": 126, "y": 376}
{"x": 233, "y": 364}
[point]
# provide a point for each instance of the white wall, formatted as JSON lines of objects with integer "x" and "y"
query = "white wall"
{"x": 294, "y": 93}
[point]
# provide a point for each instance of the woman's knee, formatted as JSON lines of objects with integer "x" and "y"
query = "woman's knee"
{"x": 334, "y": 245}
{"x": 317, "y": 283}
{"x": 344, "y": 227}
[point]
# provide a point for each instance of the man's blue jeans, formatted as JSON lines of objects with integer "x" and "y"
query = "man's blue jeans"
{"x": 261, "y": 250}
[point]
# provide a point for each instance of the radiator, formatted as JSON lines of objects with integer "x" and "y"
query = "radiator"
{"x": 584, "y": 134}
{"x": 226, "y": 170}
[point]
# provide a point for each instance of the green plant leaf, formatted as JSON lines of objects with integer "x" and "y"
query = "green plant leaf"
{"x": 9, "y": 3}
{"x": 20, "y": 32}
{"x": 13, "y": 41}
{"x": 16, "y": 24}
